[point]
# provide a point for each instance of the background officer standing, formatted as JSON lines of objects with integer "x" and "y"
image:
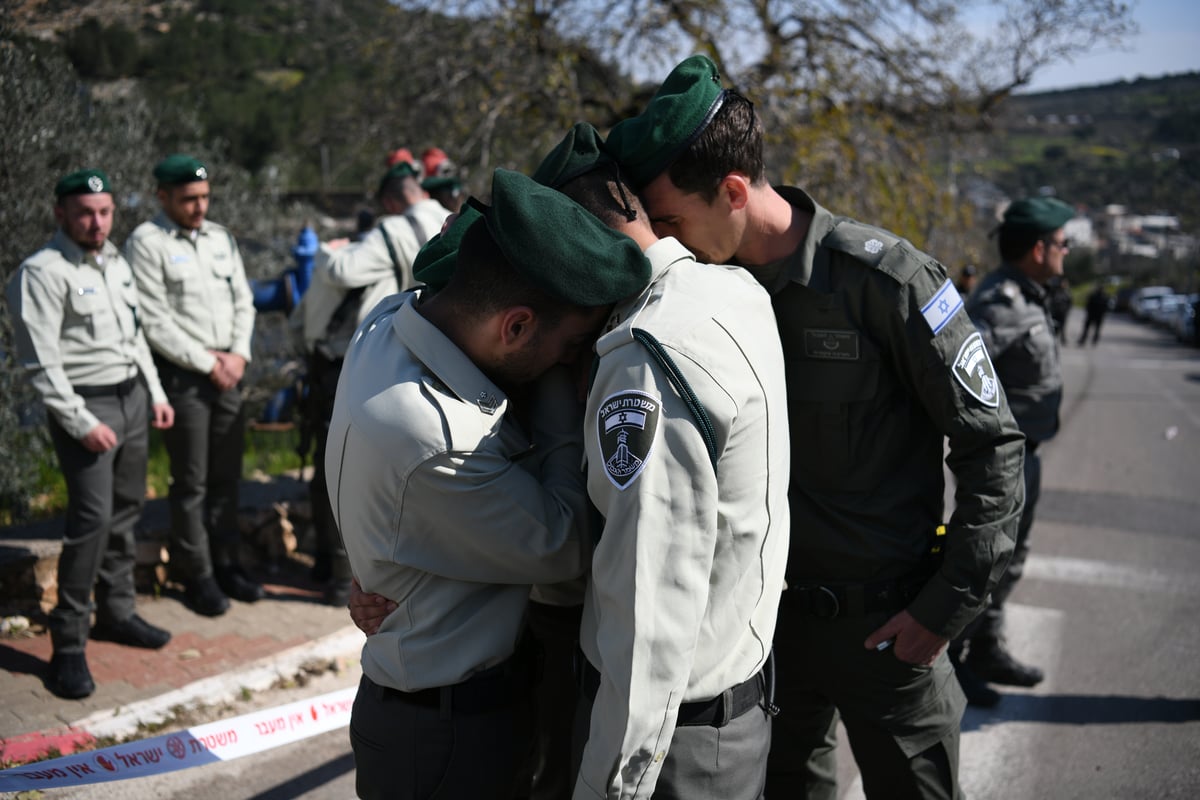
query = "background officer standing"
{"x": 1011, "y": 308}
{"x": 348, "y": 281}
{"x": 198, "y": 313}
{"x": 75, "y": 314}
{"x": 882, "y": 367}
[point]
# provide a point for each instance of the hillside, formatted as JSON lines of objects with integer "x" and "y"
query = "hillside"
{"x": 1131, "y": 143}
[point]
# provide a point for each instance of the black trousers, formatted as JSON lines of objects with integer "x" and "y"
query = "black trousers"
{"x": 105, "y": 495}
{"x": 902, "y": 720}
{"x": 405, "y": 751}
{"x": 206, "y": 445}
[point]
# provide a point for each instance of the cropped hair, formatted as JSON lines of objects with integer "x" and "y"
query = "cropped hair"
{"x": 732, "y": 142}
{"x": 1014, "y": 243}
{"x": 604, "y": 193}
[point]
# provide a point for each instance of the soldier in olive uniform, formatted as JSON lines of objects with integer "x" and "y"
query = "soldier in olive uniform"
{"x": 448, "y": 506}
{"x": 198, "y": 313}
{"x": 1012, "y": 310}
{"x": 75, "y": 314}
{"x": 882, "y": 365}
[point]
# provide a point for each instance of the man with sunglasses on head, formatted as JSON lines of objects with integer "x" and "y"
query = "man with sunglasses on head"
{"x": 1011, "y": 308}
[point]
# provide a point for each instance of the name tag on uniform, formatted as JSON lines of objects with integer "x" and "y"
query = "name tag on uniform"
{"x": 831, "y": 345}
{"x": 179, "y": 259}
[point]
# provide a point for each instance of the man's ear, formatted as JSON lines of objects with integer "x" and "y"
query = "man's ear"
{"x": 517, "y": 326}
{"x": 736, "y": 188}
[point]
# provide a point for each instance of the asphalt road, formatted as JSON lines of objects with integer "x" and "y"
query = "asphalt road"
{"x": 1108, "y": 607}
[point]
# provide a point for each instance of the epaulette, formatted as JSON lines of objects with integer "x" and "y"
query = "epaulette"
{"x": 1006, "y": 291}
{"x": 42, "y": 258}
{"x": 874, "y": 247}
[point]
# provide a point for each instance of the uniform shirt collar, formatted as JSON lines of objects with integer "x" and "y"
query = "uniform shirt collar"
{"x": 174, "y": 229}
{"x": 1029, "y": 287}
{"x": 799, "y": 267}
{"x": 662, "y": 255}
{"x": 76, "y": 255}
{"x": 445, "y": 361}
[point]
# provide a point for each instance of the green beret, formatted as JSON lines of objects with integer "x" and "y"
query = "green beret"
{"x": 401, "y": 169}
{"x": 441, "y": 184}
{"x": 179, "y": 169}
{"x": 84, "y": 181}
{"x": 580, "y": 151}
{"x": 560, "y": 247}
{"x": 436, "y": 261}
{"x": 1037, "y": 214}
{"x": 678, "y": 113}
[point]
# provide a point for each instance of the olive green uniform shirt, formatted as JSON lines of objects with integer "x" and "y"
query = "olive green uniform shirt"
{"x": 1012, "y": 313}
{"x": 883, "y": 365}
{"x": 687, "y": 576}
{"x": 76, "y": 321}
{"x": 194, "y": 292}
{"x": 443, "y": 502}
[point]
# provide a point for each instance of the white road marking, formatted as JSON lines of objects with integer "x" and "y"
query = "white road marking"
{"x": 1086, "y": 572}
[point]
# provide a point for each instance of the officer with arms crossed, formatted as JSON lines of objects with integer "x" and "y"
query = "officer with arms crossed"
{"x": 75, "y": 315}
{"x": 881, "y": 366}
{"x": 446, "y": 504}
{"x": 1012, "y": 309}
{"x": 199, "y": 317}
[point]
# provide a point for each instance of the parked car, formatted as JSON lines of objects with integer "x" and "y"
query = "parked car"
{"x": 1143, "y": 300}
{"x": 1163, "y": 312}
{"x": 1183, "y": 321}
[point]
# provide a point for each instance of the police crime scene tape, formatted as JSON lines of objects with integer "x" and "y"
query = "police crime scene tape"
{"x": 224, "y": 740}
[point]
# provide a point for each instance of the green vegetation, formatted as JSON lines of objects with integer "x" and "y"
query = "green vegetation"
{"x": 267, "y": 453}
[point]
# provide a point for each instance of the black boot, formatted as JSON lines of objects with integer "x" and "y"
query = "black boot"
{"x": 978, "y": 693}
{"x": 70, "y": 676}
{"x": 989, "y": 660}
{"x": 206, "y": 598}
{"x": 134, "y": 632}
{"x": 234, "y": 582}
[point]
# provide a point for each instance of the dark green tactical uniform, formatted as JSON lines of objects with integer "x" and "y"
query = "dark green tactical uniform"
{"x": 1012, "y": 313}
{"x": 882, "y": 366}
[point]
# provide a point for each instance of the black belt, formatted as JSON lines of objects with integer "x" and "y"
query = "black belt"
{"x": 111, "y": 390}
{"x": 828, "y": 601}
{"x": 715, "y": 713}
{"x": 488, "y": 690}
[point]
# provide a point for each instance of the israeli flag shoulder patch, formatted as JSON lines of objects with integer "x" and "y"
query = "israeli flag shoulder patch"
{"x": 942, "y": 307}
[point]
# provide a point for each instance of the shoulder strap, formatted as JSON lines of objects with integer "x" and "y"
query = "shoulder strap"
{"x": 391, "y": 248}
{"x": 699, "y": 414}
